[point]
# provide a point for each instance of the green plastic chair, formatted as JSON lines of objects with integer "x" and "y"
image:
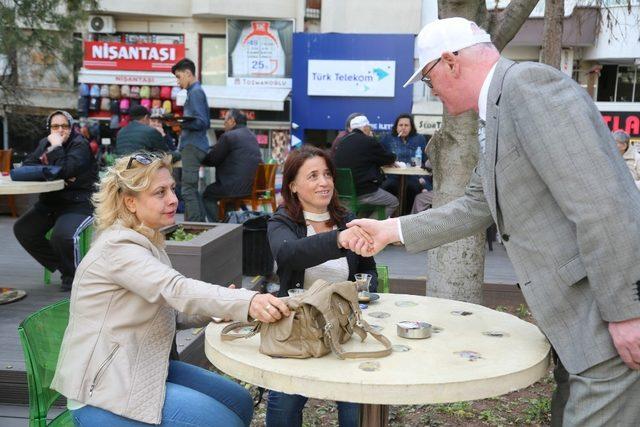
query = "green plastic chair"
{"x": 347, "y": 193}
{"x": 84, "y": 244}
{"x": 41, "y": 336}
{"x": 383, "y": 278}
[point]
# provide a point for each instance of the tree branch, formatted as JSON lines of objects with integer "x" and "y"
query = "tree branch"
{"x": 508, "y": 22}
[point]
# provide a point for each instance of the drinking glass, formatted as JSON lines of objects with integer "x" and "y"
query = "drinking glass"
{"x": 362, "y": 282}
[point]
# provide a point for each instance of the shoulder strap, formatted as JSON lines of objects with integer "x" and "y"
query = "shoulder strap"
{"x": 366, "y": 328}
{"x": 225, "y": 335}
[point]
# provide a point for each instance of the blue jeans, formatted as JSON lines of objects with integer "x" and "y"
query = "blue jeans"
{"x": 194, "y": 397}
{"x": 285, "y": 410}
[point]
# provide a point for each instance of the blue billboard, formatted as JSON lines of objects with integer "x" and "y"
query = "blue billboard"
{"x": 335, "y": 75}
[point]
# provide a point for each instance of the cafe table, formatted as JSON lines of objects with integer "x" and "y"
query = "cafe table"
{"x": 402, "y": 173}
{"x": 8, "y": 187}
{"x": 473, "y": 353}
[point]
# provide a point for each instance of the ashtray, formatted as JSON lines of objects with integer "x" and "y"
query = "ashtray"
{"x": 413, "y": 329}
{"x": 365, "y": 297}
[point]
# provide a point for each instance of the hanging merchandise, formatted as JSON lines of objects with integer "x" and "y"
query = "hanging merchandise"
{"x": 135, "y": 92}
{"x": 83, "y": 89}
{"x": 125, "y": 91}
{"x": 166, "y": 106}
{"x": 115, "y": 106}
{"x": 124, "y": 120}
{"x": 145, "y": 92}
{"x": 94, "y": 104}
{"x": 83, "y": 106}
{"x": 135, "y": 102}
{"x": 258, "y": 52}
{"x": 114, "y": 91}
{"x": 156, "y": 103}
{"x": 174, "y": 92}
{"x": 105, "y": 104}
{"x": 115, "y": 122}
{"x": 95, "y": 91}
{"x": 104, "y": 91}
{"x": 155, "y": 92}
{"x": 125, "y": 104}
{"x": 165, "y": 92}
{"x": 146, "y": 103}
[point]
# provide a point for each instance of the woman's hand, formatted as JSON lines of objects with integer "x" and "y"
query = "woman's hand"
{"x": 55, "y": 139}
{"x": 354, "y": 237}
{"x": 267, "y": 308}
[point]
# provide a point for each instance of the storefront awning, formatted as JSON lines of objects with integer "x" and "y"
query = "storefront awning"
{"x": 245, "y": 98}
{"x": 115, "y": 77}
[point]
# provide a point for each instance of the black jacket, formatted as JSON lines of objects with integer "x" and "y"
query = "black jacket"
{"x": 137, "y": 136}
{"x": 293, "y": 251}
{"x": 236, "y": 157}
{"x": 364, "y": 155}
{"x": 79, "y": 170}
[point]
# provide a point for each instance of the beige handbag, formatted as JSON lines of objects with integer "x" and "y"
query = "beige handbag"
{"x": 322, "y": 319}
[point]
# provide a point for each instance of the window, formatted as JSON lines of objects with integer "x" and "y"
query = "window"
{"x": 625, "y": 84}
{"x": 213, "y": 54}
{"x": 619, "y": 83}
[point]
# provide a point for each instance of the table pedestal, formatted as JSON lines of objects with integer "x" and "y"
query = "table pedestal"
{"x": 374, "y": 415}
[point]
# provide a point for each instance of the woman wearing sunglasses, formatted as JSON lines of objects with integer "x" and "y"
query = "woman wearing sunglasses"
{"x": 114, "y": 365}
{"x": 66, "y": 212}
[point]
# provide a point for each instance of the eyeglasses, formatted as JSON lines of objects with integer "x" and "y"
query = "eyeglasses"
{"x": 143, "y": 159}
{"x": 426, "y": 79}
{"x": 56, "y": 127}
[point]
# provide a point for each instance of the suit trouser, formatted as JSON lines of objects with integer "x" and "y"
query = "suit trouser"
{"x": 607, "y": 394}
{"x": 60, "y": 252}
{"x": 193, "y": 207}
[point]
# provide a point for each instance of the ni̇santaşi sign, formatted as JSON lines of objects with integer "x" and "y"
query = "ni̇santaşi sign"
{"x": 138, "y": 57}
{"x": 351, "y": 78}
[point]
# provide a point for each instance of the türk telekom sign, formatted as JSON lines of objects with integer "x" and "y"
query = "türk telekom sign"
{"x": 628, "y": 122}
{"x": 138, "y": 57}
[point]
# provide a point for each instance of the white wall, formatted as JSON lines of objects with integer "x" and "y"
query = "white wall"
{"x": 619, "y": 42}
{"x": 371, "y": 16}
{"x": 165, "y": 8}
{"x": 282, "y": 9}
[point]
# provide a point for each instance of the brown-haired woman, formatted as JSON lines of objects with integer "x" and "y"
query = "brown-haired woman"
{"x": 307, "y": 235}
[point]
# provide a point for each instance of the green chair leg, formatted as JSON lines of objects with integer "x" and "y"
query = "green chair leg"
{"x": 84, "y": 243}
{"x": 383, "y": 278}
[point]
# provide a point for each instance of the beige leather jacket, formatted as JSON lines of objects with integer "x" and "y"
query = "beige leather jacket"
{"x": 124, "y": 308}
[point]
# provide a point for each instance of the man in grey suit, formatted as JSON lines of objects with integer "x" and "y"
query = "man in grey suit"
{"x": 543, "y": 149}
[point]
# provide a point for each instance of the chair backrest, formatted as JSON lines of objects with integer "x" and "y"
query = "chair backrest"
{"x": 383, "y": 278}
{"x": 41, "y": 336}
{"x": 346, "y": 188}
{"x": 265, "y": 179}
{"x": 5, "y": 160}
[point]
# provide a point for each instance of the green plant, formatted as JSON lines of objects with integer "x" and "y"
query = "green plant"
{"x": 460, "y": 409}
{"x": 538, "y": 411}
{"x": 181, "y": 235}
{"x": 501, "y": 308}
{"x": 522, "y": 311}
{"x": 490, "y": 417}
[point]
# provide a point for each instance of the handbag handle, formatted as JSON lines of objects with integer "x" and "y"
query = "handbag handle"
{"x": 225, "y": 335}
{"x": 339, "y": 351}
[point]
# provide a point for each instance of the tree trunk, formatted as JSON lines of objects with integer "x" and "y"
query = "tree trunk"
{"x": 552, "y": 33}
{"x": 456, "y": 270}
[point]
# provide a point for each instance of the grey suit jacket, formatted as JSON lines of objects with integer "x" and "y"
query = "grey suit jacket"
{"x": 564, "y": 202}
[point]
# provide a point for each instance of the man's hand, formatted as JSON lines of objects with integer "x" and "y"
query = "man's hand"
{"x": 354, "y": 236}
{"x": 626, "y": 339}
{"x": 382, "y": 232}
{"x": 267, "y": 308}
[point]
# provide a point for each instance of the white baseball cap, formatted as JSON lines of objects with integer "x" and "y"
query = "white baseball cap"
{"x": 359, "y": 122}
{"x": 445, "y": 35}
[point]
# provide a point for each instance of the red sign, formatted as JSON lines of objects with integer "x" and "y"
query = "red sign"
{"x": 138, "y": 57}
{"x": 628, "y": 122}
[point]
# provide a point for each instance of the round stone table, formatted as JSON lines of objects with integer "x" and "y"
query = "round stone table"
{"x": 403, "y": 173}
{"x": 8, "y": 186}
{"x": 473, "y": 353}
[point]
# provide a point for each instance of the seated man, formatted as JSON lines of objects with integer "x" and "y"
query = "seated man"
{"x": 138, "y": 135}
{"x": 364, "y": 155}
{"x": 67, "y": 211}
{"x": 236, "y": 157}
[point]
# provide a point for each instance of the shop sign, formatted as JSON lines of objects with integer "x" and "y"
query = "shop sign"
{"x": 628, "y": 122}
{"x": 140, "y": 57}
{"x": 427, "y": 125}
{"x": 351, "y": 78}
{"x": 259, "y": 53}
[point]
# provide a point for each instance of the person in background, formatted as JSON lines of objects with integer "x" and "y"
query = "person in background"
{"x": 343, "y": 133}
{"x": 364, "y": 155}
{"x": 156, "y": 122}
{"x": 307, "y": 235}
{"x": 194, "y": 143}
{"x": 236, "y": 157}
{"x": 66, "y": 212}
{"x": 114, "y": 366}
{"x": 629, "y": 154}
{"x": 139, "y": 135}
{"x": 405, "y": 143}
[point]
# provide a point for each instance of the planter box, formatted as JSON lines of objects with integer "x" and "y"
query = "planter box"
{"x": 213, "y": 256}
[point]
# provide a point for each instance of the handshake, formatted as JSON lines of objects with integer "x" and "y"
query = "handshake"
{"x": 367, "y": 237}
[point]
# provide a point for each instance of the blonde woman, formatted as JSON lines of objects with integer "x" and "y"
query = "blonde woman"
{"x": 114, "y": 365}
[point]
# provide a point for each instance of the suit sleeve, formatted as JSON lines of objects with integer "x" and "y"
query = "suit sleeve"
{"x": 564, "y": 137}
{"x": 457, "y": 219}
{"x": 218, "y": 152}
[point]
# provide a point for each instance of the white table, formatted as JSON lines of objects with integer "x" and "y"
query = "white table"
{"x": 402, "y": 173}
{"x": 434, "y": 370}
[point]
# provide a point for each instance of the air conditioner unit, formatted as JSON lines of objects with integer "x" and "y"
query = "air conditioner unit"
{"x": 101, "y": 24}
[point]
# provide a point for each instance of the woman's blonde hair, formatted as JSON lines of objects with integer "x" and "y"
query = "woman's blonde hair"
{"x": 127, "y": 177}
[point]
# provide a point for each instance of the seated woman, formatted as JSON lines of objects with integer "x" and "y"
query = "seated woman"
{"x": 68, "y": 211}
{"x": 114, "y": 365}
{"x": 306, "y": 236}
{"x": 404, "y": 142}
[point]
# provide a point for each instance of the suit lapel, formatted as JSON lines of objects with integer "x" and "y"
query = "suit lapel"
{"x": 491, "y": 132}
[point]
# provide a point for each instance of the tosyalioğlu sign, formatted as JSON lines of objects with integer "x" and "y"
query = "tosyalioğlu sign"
{"x": 351, "y": 78}
{"x": 138, "y": 57}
